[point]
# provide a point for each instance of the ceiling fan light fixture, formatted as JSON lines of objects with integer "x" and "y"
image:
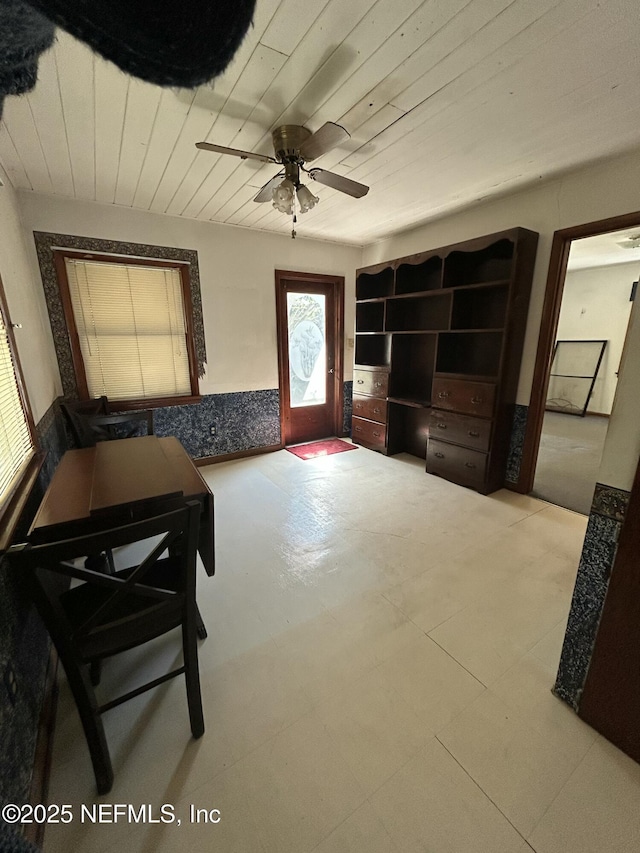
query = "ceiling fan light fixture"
{"x": 306, "y": 198}
{"x": 283, "y": 197}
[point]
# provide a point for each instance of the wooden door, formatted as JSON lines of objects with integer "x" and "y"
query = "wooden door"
{"x": 310, "y": 317}
{"x": 611, "y": 698}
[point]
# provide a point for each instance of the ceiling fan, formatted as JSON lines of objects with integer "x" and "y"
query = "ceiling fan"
{"x": 294, "y": 146}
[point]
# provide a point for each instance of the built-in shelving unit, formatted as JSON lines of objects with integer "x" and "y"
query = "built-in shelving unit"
{"x": 437, "y": 354}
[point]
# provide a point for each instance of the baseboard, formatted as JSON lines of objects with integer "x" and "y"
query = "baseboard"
{"x": 240, "y": 454}
{"x": 39, "y": 792}
{"x": 514, "y": 487}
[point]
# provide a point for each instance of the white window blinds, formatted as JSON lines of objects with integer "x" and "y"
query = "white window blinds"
{"x": 16, "y": 446}
{"x": 132, "y": 329}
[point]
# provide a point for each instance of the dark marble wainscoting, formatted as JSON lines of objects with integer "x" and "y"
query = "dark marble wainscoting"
{"x": 54, "y": 440}
{"x": 598, "y": 553}
{"x": 244, "y": 420}
{"x": 24, "y": 645}
{"x": 517, "y": 443}
{"x": 347, "y": 402}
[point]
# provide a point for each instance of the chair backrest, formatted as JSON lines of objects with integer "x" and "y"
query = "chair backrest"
{"x": 75, "y": 412}
{"x": 124, "y": 425}
{"x": 92, "y": 421}
{"x": 111, "y": 603}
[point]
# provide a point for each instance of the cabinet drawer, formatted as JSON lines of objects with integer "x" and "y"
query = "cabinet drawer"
{"x": 459, "y": 464}
{"x": 461, "y": 429}
{"x": 371, "y": 408}
{"x": 372, "y": 382}
{"x": 461, "y": 395}
{"x": 368, "y": 432}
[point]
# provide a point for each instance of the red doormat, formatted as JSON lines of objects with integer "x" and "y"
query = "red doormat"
{"x": 321, "y": 448}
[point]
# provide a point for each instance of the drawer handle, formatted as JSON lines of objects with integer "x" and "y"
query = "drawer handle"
{"x": 469, "y": 465}
{"x": 376, "y": 435}
{"x": 378, "y": 384}
{"x": 358, "y": 429}
{"x": 476, "y": 400}
{"x": 360, "y": 381}
{"x": 473, "y": 433}
{"x": 443, "y": 395}
{"x": 439, "y": 455}
{"x": 442, "y": 426}
{"x": 377, "y": 411}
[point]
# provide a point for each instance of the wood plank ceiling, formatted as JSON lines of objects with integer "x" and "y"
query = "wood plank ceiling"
{"x": 446, "y": 102}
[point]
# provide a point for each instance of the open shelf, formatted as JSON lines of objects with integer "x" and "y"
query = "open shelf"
{"x": 480, "y": 307}
{"x": 373, "y": 350}
{"x": 408, "y": 430}
{"x": 414, "y": 404}
{"x": 412, "y": 364}
{"x": 370, "y": 317}
{"x": 469, "y": 377}
{"x": 469, "y": 353}
{"x": 419, "y": 313}
{"x": 413, "y": 278}
{"x": 486, "y": 265}
{"x": 374, "y": 285}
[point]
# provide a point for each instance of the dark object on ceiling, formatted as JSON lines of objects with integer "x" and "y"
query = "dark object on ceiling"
{"x": 24, "y": 35}
{"x": 165, "y": 42}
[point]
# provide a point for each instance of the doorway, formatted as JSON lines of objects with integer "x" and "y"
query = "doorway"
{"x": 595, "y": 309}
{"x": 588, "y": 301}
{"x": 310, "y": 328}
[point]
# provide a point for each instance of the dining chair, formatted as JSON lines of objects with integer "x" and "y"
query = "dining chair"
{"x": 91, "y": 421}
{"x": 124, "y": 425}
{"x": 74, "y": 412}
{"x": 104, "y": 614}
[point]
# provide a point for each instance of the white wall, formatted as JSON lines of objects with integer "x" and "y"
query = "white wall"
{"x": 596, "y": 306}
{"x": 236, "y": 272}
{"x": 27, "y": 307}
{"x": 622, "y": 447}
{"x": 601, "y": 191}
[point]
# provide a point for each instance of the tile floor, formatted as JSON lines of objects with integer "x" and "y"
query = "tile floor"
{"x": 376, "y": 679}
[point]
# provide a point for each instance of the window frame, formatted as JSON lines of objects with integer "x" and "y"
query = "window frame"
{"x": 59, "y": 256}
{"x": 13, "y": 502}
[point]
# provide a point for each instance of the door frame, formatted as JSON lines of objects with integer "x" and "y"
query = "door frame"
{"x": 338, "y": 351}
{"x": 617, "y": 640}
{"x": 560, "y": 249}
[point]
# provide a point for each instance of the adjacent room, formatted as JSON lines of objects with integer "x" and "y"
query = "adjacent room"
{"x": 319, "y": 426}
{"x": 597, "y": 300}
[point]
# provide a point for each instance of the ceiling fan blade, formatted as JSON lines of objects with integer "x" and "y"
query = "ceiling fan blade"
{"x": 323, "y": 140}
{"x": 266, "y": 193}
{"x": 244, "y": 155}
{"x": 339, "y": 182}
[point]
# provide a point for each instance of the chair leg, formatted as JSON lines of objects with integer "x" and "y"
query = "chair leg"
{"x": 110, "y": 561}
{"x": 92, "y": 725}
{"x": 95, "y": 671}
{"x": 201, "y": 630}
{"x": 192, "y": 676}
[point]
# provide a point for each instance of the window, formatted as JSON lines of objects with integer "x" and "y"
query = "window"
{"x": 17, "y": 434}
{"x": 129, "y": 327}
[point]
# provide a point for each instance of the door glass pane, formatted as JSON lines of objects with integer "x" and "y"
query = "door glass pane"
{"x": 306, "y": 325}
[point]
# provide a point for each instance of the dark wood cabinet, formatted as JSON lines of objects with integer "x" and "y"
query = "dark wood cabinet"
{"x": 369, "y": 422}
{"x": 371, "y": 408}
{"x": 438, "y": 347}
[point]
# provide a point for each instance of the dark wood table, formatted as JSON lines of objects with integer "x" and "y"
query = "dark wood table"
{"x": 116, "y": 482}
